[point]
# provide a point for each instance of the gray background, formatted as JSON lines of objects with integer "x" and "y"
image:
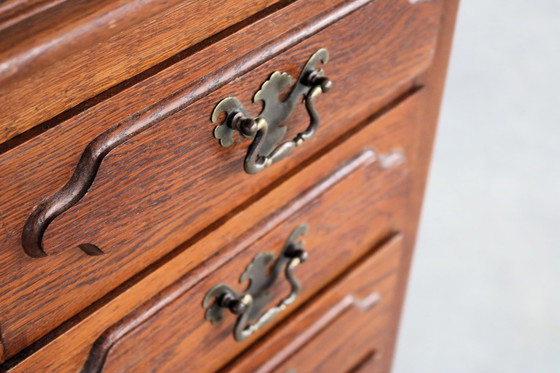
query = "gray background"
{"x": 484, "y": 294}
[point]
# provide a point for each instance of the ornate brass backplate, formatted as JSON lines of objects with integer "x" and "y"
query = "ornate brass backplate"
{"x": 266, "y": 128}
{"x": 261, "y": 273}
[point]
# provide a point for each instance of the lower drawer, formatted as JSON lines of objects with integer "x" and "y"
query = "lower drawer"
{"x": 347, "y": 329}
{"x": 351, "y": 197}
{"x": 334, "y": 223}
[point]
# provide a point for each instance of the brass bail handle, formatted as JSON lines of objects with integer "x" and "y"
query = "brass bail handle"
{"x": 248, "y": 306}
{"x": 265, "y": 129}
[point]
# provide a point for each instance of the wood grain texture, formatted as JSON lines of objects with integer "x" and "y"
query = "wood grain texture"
{"x": 340, "y": 329}
{"x": 345, "y": 221}
{"x": 433, "y": 79}
{"x": 90, "y": 160}
{"x": 71, "y": 51}
{"x": 103, "y": 344}
{"x": 166, "y": 182}
{"x": 204, "y": 255}
{"x": 14, "y": 11}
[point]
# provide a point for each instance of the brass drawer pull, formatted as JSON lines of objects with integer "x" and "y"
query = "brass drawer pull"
{"x": 266, "y": 129}
{"x": 249, "y": 304}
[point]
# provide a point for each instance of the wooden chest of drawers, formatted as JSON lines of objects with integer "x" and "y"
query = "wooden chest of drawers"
{"x": 201, "y": 185}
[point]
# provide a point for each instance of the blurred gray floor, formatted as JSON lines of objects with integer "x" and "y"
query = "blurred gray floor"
{"x": 484, "y": 294}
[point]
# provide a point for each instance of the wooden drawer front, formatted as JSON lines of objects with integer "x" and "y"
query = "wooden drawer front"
{"x": 97, "y": 44}
{"x": 350, "y": 198}
{"x": 172, "y": 179}
{"x": 346, "y": 329}
{"x": 344, "y": 221}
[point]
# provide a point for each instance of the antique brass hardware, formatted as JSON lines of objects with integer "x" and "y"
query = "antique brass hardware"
{"x": 266, "y": 129}
{"x": 249, "y": 304}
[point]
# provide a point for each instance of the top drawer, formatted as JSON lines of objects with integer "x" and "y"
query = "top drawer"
{"x": 159, "y": 177}
{"x": 56, "y": 53}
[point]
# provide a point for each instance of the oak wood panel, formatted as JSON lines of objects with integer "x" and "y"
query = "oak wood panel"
{"x": 68, "y": 53}
{"x": 14, "y": 11}
{"x": 201, "y": 60}
{"x": 210, "y": 59}
{"x": 171, "y": 162}
{"x": 96, "y": 151}
{"x": 339, "y": 331}
{"x": 433, "y": 80}
{"x": 26, "y": 186}
{"x": 43, "y": 289}
{"x": 344, "y": 221}
{"x": 205, "y": 254}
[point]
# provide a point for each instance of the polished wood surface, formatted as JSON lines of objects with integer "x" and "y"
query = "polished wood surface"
{"x": 45, "y": 70}
{"x": 139, "y": 215}
{"x": 433, "y": 80}
{"x": 344, "y": 222}
{"x": 343, "y": 329}
{"x": 105, "y": 138}
{"x": 386, "y": 133}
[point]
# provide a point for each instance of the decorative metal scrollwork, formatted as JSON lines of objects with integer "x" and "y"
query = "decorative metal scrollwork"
{"x": 266, "y": 128}
{"x": 249, "y": 304}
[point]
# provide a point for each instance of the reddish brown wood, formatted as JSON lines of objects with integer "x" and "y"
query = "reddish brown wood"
{"x": 112, "y": 335}
{"x": 163, "y": 239}
{"x": 90, "y": 161}
{"x": 433, "y": 80}
{"x": 341, "y": 329}
{"x": 223, "y": 243}
{"x": 72, "y": 51}
{"x": 14, "y": 11}
{"x": 346, "y": 216}
{"x": 139, "y": 215}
